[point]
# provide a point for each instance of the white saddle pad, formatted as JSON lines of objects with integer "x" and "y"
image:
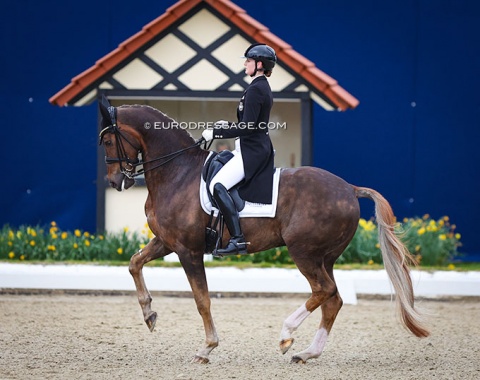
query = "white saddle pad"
{"x": 251, "y": 210}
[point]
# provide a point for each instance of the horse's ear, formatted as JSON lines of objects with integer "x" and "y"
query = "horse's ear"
{"x": 104, "y": 104}
{"x": 108, "y": 112}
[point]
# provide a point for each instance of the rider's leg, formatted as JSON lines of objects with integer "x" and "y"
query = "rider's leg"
{"x": 236, "y": 244}
{"x": 231, "y": 173}
{"x": 226, "y": 178}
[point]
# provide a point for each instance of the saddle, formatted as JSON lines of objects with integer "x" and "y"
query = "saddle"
{"x": 216, "y": 161}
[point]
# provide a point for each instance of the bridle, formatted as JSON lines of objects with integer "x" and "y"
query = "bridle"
{"x": 128, "y": 165}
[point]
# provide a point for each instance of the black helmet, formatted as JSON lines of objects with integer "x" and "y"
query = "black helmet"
{"x": 262, "y": 53}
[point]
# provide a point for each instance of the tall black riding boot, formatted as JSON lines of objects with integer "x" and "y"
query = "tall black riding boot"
{"x": 237, "y": 244}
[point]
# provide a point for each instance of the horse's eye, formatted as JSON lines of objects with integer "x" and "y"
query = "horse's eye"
{"x": 108, "y": 142}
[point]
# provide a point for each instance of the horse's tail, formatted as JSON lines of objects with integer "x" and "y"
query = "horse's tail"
{"x": 395, "y": 256}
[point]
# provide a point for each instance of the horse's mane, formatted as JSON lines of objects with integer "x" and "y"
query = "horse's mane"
{"x": 152, "y": 113}
{"x": 147, "y": 108}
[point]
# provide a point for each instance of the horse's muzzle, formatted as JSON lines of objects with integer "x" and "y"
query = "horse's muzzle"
{"x": 121, "y": 182}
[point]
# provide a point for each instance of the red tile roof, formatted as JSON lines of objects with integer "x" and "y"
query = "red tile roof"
{"x": 259, "y": 32}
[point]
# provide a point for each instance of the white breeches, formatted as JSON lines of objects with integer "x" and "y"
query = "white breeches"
{"x": 232, "y": 172}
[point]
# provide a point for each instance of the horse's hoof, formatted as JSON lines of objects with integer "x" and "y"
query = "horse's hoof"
{"x": 297, "y": 359}
{"x": 200, "y": 360}
{"x": 151, "y": 321}
{"x": 285, "y": 345}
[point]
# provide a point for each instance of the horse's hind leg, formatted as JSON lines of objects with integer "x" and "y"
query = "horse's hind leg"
{"x": 153, "y": 250}
{"x": 325, "y": 294}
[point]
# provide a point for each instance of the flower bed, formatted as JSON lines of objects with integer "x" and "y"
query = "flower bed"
{"x": 432, "y": 242}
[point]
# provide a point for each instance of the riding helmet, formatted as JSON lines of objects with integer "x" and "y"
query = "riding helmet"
{"x": 263, "y": 53}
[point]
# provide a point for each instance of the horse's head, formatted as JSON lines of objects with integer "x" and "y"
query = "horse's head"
{"x": 121, "y": 148}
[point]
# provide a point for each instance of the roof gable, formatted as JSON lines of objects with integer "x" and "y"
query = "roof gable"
{"x": 205, "y": 37}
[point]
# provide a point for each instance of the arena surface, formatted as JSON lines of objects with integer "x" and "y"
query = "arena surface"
{"x": 100, "y": 336}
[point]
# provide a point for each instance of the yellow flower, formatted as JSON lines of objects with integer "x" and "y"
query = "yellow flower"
{"x": 19, "y": 234}
{"x": 125, "y": 229}
{"x": 11, "y": 255}
{"x": 451, "y": 266}
{"x": 11, "y": 235}
{"x": 446, "y": 218}
{"x": 426, "y": 216}
{"x": 64, "y": 235}
{"x": 458, "y": 236}
{"x": 418, "y": 258}
{"x": 421, "y": 231}
{"x": 418, "y": 248}
{"x": 51, "y": 248}
{"x": 22, "y": 257}
{"x": 54, "y": 236}
{"x": 32, "y": 243}
{"x": 86, "y": 234}
{"x": 31, "y": 232}
{"x": 75, "y": 245}
{"x": 77, "y": 233}
{"x": 416, "y": 223}
{"x": 377, "y": 245}
{"x": 87, "y": 243}
{"x": 405, "y": 220}
{"x": 100, "y": 237}
{"x": 142, "y": 246}
{"x": 53, "y": 230}
{"x": 10, "y": 243}
{"x": 442, "y": 237}
{"x": 120, "y": 250}
{"x": 370, "y": 262}
{"x": 53, "y": 224}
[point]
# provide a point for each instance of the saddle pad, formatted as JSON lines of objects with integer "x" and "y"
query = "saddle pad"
{"x": 251, "y": 210}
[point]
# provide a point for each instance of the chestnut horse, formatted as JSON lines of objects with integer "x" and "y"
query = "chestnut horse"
{"x": 317, "y": 216}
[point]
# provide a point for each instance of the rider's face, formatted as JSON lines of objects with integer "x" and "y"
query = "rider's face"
{"x": 250, "y": 66}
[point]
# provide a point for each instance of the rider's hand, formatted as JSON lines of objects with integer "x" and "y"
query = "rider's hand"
{"x": 221, "y": 124}
{"x": 207, "y": 134}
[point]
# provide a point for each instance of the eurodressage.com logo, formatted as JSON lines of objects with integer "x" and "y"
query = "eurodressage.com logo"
{"x": 201, "y": 125}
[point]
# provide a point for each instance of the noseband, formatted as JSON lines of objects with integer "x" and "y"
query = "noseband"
{"x": 130, "y": 164}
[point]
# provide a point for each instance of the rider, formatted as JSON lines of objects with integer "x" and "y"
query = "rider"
{"x": 253, "y": 160}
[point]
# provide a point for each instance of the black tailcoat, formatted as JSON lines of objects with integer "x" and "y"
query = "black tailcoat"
{"x": 253, "y": 113}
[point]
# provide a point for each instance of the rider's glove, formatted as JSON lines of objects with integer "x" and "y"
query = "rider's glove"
{"x": 207, "y": 134}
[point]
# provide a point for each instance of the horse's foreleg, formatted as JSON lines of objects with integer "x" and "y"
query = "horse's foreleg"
{"x": 195, "y": 271}
{"x": 153, "y": 250}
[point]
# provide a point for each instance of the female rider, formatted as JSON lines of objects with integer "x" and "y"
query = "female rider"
{"x": 253, "y": 160}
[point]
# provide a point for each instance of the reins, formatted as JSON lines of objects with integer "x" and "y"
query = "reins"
{"x": 169, "y": 157}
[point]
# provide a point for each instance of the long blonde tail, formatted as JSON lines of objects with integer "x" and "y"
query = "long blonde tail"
{"x": 395, "y": 255}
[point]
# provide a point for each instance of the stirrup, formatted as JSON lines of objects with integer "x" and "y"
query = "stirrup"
{"x": 233, "y": 248}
